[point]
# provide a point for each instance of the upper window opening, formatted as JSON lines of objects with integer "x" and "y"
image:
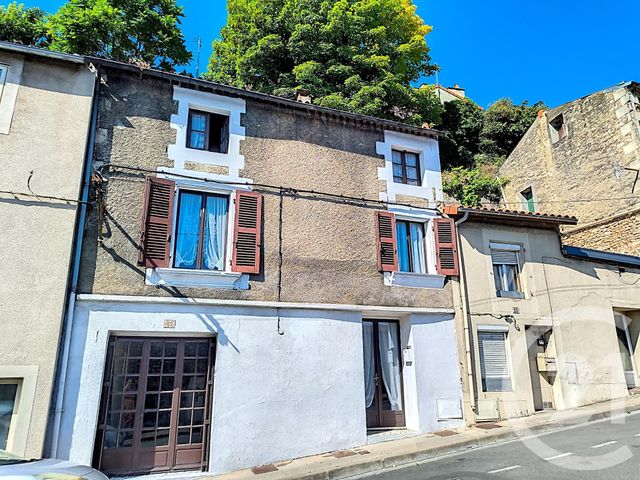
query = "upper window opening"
{"x": 406, "y": 167}
{"x": 527, "y": 196}
{"x": 507, "y": 270}
{"x": 208, "y": 131}
{"x": 202, "y": 231}
{"x": 411, "y": 247}
{"x": 557, "y": 129}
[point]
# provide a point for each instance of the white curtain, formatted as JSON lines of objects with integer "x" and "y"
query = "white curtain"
{"x": 369, "y": 364}
{"x": 215, "y": 233}
{"x": 417, "y": 248}
{"x": 390, "y": 363}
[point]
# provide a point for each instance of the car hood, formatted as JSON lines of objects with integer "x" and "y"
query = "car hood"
{"x": 50, "y": 469}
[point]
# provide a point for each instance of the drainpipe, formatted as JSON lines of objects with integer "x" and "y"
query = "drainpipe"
{"x": 464, "y": 300}
{"x": 71, "y": 303}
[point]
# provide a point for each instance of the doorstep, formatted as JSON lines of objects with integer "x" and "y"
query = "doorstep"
{"x": 395, "y": 453}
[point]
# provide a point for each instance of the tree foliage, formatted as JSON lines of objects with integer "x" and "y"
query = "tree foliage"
{"x": 476, "y": 142}
{"x": 19, "y": 24}
{"x": 355, "y": 55}
{"x": 139, "y": 31}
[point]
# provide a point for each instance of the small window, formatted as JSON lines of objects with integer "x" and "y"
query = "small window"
{"x": 506, "y": 271}
{"x": 557, "y": 129}
{"x": 494, "y": 363}
{"x": 201, "y": 231}
{"x": 4, "y": 69}
{"x": 411, "y": 247}
{"x": 406, "y": 167}
{"x": 527, "y": 196}
{"x": 208, "y": 131}
{"x": 8, "y": 399}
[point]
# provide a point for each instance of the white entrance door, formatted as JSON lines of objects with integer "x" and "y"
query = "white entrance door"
{"x": 626, "y": 349}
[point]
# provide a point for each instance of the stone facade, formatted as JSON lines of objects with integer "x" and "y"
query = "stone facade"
{"x": 328, "y": 245}
{"x": 590, "y": 173}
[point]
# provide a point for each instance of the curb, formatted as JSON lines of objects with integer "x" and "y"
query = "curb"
{"x": 400, "y": 460}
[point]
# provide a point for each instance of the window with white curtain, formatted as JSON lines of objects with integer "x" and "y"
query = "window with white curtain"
{"x": 201, "y": 231}
{"x": 411, "y": 247}
{"x": 494, "y": 361}
{"x": 507, "y": 268}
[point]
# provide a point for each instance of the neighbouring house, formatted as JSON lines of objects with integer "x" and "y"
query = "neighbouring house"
{"x": 584, "y": 156}
{"x": 545, "y": 326}
{"x": 448, "y": 94}
{"x": 45, "y": 110}
{"x": 261, "y": 279}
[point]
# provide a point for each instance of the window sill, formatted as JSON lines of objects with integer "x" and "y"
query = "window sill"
{"x": 178, "y": 277}
{"x": 508, "y": 294}
{"x": 413, "y": 280}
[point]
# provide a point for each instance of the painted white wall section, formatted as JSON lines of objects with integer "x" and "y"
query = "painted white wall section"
{"x": 9, "y": 90}
{"x": 207, "y": 102}
{"x": 275, "y": 396}
{"x": 430, "y": 174}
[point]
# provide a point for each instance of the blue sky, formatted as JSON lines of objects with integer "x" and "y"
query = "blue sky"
{"x": 525, "y": 50}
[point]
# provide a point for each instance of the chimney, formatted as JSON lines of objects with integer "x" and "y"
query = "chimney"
{"x": 459, "y": 90}
{"x": 304, "y": 96}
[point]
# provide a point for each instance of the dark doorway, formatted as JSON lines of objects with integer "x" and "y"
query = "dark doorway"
{"x": 383, "y": 374}
{"x": 155, "y": 406}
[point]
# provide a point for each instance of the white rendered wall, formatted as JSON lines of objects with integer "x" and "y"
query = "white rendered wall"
{"x": 276, "y": 396}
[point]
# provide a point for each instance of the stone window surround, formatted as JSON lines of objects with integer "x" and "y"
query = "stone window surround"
{"x": 207, "y": 102}
{"x": 431, "y": 279}
{"x": 430, "y": 187}
{"x": 180, "y": 277}
{"x": 9, "y": 87}
{"x": 27, "y": 376}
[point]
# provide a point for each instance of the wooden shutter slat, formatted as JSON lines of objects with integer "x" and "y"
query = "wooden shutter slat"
{"x": 247, "y": 238}
{"x": 386, "y": 242}
{"x": 446, "y": 246}
{"x": 157, "y": 220}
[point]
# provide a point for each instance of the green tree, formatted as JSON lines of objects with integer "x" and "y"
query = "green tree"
{"x": 504, "y": 125}
{"x": 139, "y": 31}
{"x": 355, "y": 55}
{"x": 471, "y": 186}
{"x": 19, "y": 24}
{"x": 462, "y": 122}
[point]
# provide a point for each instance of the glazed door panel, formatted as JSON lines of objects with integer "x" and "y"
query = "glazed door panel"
{"x": 155, "y": 405}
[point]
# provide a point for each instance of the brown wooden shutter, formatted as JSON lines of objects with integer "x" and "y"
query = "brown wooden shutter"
{"x": 157, "y": 221}
{"x": 386, "y": 242}
{"x": 446, "y": 246}
{"x": 247, "y": 233}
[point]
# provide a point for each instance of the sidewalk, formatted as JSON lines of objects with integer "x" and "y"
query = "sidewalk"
{"x": 394, "y": 453}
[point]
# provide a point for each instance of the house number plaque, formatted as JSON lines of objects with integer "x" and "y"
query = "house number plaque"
{"x": 169, "y": 324}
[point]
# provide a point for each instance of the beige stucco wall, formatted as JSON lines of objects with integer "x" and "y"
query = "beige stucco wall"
{"x": 329, "y": 245}
{"x": 47, "y": 142}
{"x": 575, "y": 297}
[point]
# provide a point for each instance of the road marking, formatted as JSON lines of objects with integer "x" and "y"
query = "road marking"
{"x": 560, "y": 455}
{"x": 604, "y": 444}
{"x": 505, "y": 469}
{"x": 637, "y": 435}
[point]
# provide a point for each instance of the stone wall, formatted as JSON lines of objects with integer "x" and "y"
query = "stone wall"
{"x": 329, "y": 252}
{"x": 620, "y": 234}
{"x": 583, "y": 174}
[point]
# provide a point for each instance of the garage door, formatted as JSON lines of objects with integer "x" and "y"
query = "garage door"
{"x": 155, "y": 405}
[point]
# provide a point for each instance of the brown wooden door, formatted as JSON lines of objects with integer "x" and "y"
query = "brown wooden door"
{"x": 155, "y": 405}
{"x": 384, "y": 400}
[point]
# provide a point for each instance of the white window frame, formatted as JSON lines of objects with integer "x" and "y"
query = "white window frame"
{"x": 182, "y": 277}
{"x": 16, "y": 410}
{"x": 430, "y": 279}
{"x": 518, "y": 250}
{"x": 495, "y": 330}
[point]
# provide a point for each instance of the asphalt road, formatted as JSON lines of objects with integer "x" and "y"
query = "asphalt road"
{"x": 608, "y": 449}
